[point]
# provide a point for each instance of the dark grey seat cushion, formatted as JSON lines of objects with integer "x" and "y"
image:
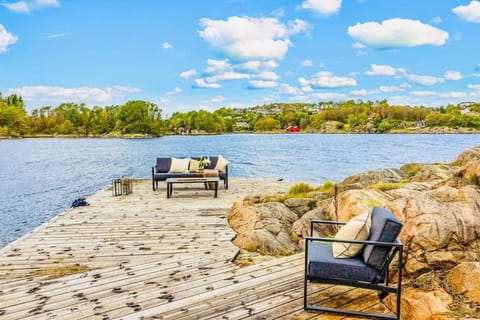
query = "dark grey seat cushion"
{"x": 166, "y": 175}
{"x": 385, "y": 228}
{"x": 321, "y": 263}
{"x": 163, "y": 164}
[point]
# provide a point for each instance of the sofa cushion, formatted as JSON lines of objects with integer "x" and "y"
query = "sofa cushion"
{"x": 357, "y": 228}
{"x": 166, "y": 175}
{"x": 193, "y": 166}
{"x": 222, "y": 163}
{"x": 385, "y": 228}
{"x": 163, "y": 164}
{"x": 321, "y": 263}
{"x": 179, "y": 165}
{"x": 213, "y": 163}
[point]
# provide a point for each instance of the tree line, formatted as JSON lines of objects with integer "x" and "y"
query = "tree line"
{"x": 143, "y": 117}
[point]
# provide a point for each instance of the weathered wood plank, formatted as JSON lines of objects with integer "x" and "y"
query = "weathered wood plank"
{"x": 147, "y": 256}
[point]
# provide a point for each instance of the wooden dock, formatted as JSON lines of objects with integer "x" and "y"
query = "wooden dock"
{"x": 144, "y": 256}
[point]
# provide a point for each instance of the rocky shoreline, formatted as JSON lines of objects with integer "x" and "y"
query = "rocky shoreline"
{"x": 438, "y": 203}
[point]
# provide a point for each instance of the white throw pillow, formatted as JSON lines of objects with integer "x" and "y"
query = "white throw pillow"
{"x": 179, "y": 165}
{"x": 222, "y": 163}
{"x": 358, "y": 228}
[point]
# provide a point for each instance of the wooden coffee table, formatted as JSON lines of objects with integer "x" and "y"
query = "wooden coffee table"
{"x": 205, "y": 181}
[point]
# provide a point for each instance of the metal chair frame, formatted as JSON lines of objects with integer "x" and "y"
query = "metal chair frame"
{"x": 383, "y": 287}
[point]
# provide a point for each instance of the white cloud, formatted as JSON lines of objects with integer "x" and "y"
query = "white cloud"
{"x": 269, "y": 75}
{"x": 437, "y": 20}
{"x": 165, "y": 100}
{"x": 217, "y": 99}
{"x": 470, "y": 12}
{"x": 327, "y": 79}
{"x": 391, "y": 88}
{"x": 361, "y": 92}
{"x": 453, "y": 94}
{"x": 453, "y": 75}
{"x": 287, "y": 89}
{"x": 19, "y": 6}
{"x": 475, "y": 87}
{"x": 227, "y": 75}
{"x": 307, "y": 63}
{"x": 48, "y": 3}
{"x": 262, "y": 84}
{"x": 303, "y": 82}
{"x": 381, "y": 70}
{"x": 6, "y": 39}
{"x": 248, "y": 38}
{"x": 323, "y": 8}
{"x": 307, "y": 88}
{"x": 280, "y": 12}
{"x": 216, "y": 66}
{"x": 84, "y": 94}
{"x": 57, "y": 35}
{"x": 24, "y": 7}
{"x": 166, "y": 45}
{"x": 201, "y": 83}
{"x": 256, "y": 65}
{"x": 397, "y": 33}
{"x": 422, "y": 93}
{"x": 328, "y": 96}
{"x": 188, "y": 74}
{"x": 425, "y": 80}
{"x": 175, "y": 90}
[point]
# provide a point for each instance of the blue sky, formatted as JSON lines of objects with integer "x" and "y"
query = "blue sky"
{"x": 190, "y": 55}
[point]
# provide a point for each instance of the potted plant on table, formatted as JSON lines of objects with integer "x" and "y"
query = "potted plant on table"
{"x": 203, "y": 162}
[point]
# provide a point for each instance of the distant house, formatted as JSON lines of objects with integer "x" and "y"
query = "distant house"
{"x": 293, "y": 129}
{"x": 242, "y": 125}
{"x": 465, "y": 107}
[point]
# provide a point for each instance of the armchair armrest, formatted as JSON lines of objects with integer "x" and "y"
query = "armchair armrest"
{"x": 313, "y": 222}
{"x": 397, "y": 243}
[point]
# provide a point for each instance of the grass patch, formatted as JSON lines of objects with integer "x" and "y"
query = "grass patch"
{"x": 426, "y": 281}
{"x": 474, "y": 179}
{"x": 299, "y": 190}
{"x": 327, "y": 187}
{"x": 462, "y": 308}
{"x": 58, "y": 272}
{"x": 411, "y": 169}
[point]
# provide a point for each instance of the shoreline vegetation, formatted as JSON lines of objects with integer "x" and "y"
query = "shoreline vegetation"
{"x": 143, "y": 119}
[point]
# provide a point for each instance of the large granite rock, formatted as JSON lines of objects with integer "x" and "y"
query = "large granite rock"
{"x": 464, "y": 279}
{"x": 470, "y": 172}
{"x": 299, "y": 205}
{"x": 365, "y": 179}
{"x": 301, "y": 227}
{"x": 471, "y": 154}
{"x": 354, "y": 202}
{"x": 418, "y": 304}
{"x": 433, "y": 173}
{"x": 263, "y": 227}
{"x": 441, "y": 227}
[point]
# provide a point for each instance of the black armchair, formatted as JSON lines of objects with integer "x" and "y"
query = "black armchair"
{"x": 369, "y": 269}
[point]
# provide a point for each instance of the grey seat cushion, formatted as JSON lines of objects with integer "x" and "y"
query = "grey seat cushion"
{"x": 385, "y": 228}
{"x": 321, "y": 263}
{"x": 163, "y": 164}
{"x": 165, "y": 176}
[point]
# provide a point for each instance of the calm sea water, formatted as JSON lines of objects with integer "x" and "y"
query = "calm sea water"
{"x": 40, "y": 178}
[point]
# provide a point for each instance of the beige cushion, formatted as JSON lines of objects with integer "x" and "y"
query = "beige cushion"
{"x": 193, "y": 167}
{"x": 179, "y": 165}
{"x": 358, "y": 228}
{"x": 222, "y": 163}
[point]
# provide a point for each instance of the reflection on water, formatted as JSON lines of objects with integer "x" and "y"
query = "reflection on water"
{"x": 41, "y": 177}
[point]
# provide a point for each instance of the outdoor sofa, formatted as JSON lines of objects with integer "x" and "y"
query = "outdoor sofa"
{"x": 169, "y": 167}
